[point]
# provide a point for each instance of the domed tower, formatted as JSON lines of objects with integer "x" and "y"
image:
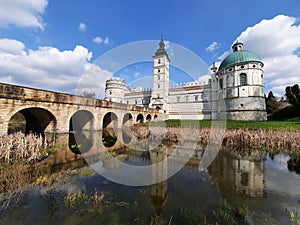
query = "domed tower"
{"x": 240, "y": 85}
{"x": 115, "y": 90}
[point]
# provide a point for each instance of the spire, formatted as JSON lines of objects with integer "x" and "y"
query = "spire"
{"x": 161, "y": 43}
{"x": 161, "y": 50}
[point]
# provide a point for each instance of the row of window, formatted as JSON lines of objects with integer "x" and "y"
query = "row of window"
{"x": 188, "y": 98}
{"x": 241, "y": 67}
{"x": 243, "y": 80}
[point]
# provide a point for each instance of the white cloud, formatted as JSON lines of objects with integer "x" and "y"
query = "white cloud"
{"x": 213, "y": 46}
{"x": 25, "y": 13}
{"x": 94, "y": 81}
{"x": 106, "y": 41}
{"x": 99, "y": 40}
{"x": 204, "y": 79}
{"x": 136, "y": 74}
{"x": 82, "y": 27}
{"x": 45, "y": 68}
{"x": 275, "y": 41}
{"x": 169, "y": 48}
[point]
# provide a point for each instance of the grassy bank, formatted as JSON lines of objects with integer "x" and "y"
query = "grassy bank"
{"x": 290, "y": 124}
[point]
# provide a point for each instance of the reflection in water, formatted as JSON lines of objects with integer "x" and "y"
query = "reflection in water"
{"x": 294, "y": 163}
{"x": 235, "y": 174}
{"x": 251, "y": 181}
{"x": 109, "y": 137}
{"x": 262, "y": 187}
{"x": 126, "y": 134}
{"x": 159, "y": 172}
{"x": 81, "y": 141}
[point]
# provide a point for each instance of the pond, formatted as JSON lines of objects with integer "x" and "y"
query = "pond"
{"x": 239, "y": 187}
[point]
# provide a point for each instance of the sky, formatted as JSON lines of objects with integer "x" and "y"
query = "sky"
{"x": 55, "y": 45}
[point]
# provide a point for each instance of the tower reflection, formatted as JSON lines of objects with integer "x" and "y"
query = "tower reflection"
{"x": 159, "y": 187}
{"x": 238, "y": 175}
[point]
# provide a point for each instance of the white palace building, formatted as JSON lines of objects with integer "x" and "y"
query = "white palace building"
{"x": 235, "y": 90}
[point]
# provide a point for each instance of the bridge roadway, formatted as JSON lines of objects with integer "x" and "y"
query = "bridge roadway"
{"x": 53, "y": 112}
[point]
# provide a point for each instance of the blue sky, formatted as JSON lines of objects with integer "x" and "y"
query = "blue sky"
{"x": 52, "y": 44}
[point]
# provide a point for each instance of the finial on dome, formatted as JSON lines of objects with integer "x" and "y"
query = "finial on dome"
{"x": 237, "y": 46}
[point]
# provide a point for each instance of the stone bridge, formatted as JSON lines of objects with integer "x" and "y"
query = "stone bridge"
{"x": 53, "y": 112}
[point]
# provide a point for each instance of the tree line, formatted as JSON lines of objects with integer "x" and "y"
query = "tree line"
{"x": 287, "y": 107}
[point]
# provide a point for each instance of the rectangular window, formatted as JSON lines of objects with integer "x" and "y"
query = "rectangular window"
{"x": 178, "y": 98}
{"x": 196, "y": 98}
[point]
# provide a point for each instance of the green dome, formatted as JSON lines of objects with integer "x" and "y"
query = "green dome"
{"x": 239, "y": 57}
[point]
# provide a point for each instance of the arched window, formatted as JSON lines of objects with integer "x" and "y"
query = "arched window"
{"x": 243, "y": 79}
{"x": 158, "y": 61}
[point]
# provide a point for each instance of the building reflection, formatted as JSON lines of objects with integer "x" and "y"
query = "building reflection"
{"x": 238, "y": 175}
{"x": 159, "y": 187}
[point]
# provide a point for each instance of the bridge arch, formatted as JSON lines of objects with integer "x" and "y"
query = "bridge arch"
{"x": 81, "y": 127}
{"x": 127, "y": 120}
{"x": 148, "y": 118}
{"x": 110, "y": 129}
{"x": 35, "y": 120}
{"x": 110, "y": 120}
{"x": 81, "y": 120}
{"x": 140, "y": 118}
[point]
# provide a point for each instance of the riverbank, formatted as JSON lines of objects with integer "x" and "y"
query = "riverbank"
{"x": 237, "y": 138}
{"x": 288, "y": 124}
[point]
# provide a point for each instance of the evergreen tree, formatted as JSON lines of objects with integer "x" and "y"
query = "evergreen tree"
{"x": 272, "y": 104}
{"x": 293, "y": 95}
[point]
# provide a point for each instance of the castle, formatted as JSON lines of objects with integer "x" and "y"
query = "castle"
{"x": 235, "y": 90}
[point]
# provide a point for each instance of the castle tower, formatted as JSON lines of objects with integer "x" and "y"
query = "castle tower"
{"x": 240, "y": 86}
{"x": 115, "y": 90}
{"x": 160, "y": 89}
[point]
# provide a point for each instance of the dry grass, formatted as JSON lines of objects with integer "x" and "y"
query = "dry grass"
{"x": 17, "y": 151}
{"x": 14, "y": 181}
{"x": 264, "y": 139}
{"x": 19, "y": 146}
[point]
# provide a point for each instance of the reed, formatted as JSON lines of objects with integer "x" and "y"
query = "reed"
{"x": 263, "y": 139}
{"x": 19, "y": 146}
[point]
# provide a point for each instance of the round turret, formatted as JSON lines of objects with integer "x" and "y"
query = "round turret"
{"x": 240, "y": 85}
{"x": 115, "y": 90}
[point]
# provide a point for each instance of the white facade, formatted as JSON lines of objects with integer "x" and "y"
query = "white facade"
{"x": 234, "y": 92}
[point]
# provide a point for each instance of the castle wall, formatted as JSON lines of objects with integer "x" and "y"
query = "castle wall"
{"x": 141, "y": 98}
{"x": 190, "y": 102}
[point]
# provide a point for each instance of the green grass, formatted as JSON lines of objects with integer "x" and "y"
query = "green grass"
{"x": 289, "y": 124}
